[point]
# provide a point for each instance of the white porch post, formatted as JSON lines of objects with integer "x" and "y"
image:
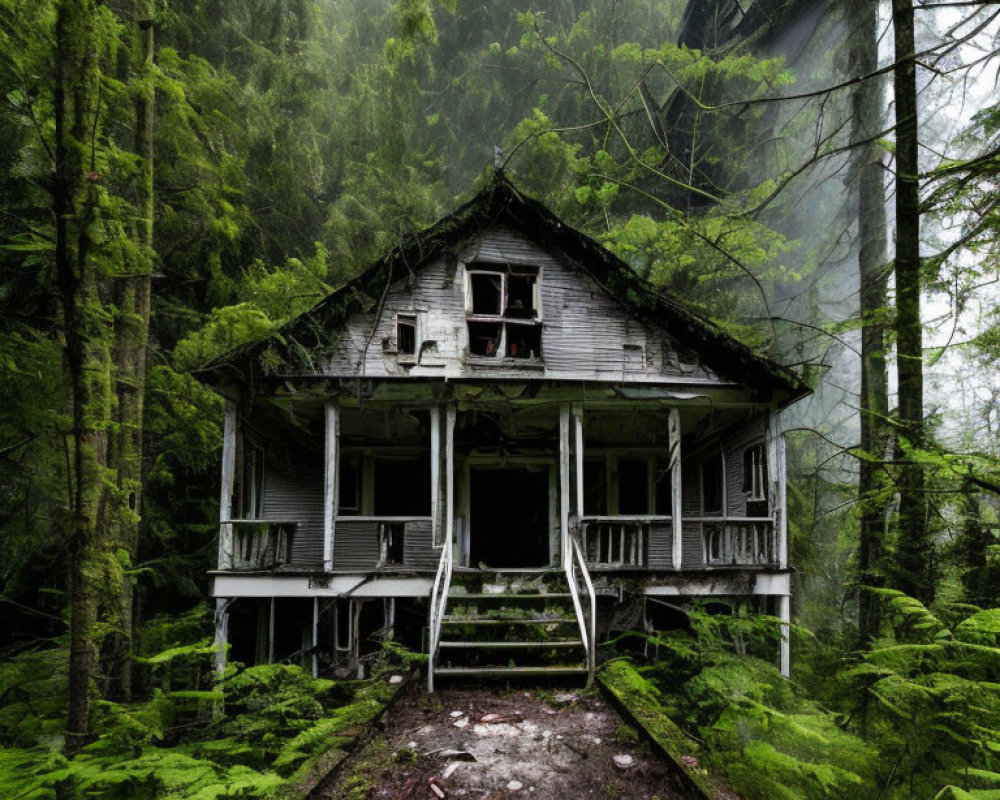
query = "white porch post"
{"x": 226, "y": 491}
{"x": 779, "y": 484}
{"x": 315, "y": 638}
{"x": 221, "y": 633}
{"x": 784, "y": 648}
{"x": 578, "y": 436}
{"x": 435, "y": 413}
{"x": 676, "y": 493}
{"x": 564, "y": 497}
{"x": 331, "y": 483}
{"x": 449, "y": 444}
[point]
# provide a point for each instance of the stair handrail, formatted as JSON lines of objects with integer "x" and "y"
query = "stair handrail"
{"x": 439, "y": 602}
{"x": 576, "y": 567}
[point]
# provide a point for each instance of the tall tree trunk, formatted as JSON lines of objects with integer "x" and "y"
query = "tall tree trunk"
{"x": 131, "y": 340}
{"x": 872, "y": 277}
{"x": 74, "y": 208}
{"x": 913, "y": 568}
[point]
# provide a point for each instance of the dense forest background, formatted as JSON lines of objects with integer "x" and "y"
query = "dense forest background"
{"x": 181, "y": 177}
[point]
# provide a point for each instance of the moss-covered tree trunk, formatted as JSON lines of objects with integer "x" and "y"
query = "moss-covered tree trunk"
{"x": 132, "y": 300}
{"x": 913, "y": 568}
{"x": 866, "y": 107}
{"x": 74, "y": 204}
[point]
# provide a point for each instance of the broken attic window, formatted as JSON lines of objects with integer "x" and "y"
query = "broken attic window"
{"x": 503, "y": 312}
{"x": 484, "y": 338}
{"x": 524, "y": 341}
{"x": 487, "y": 293}
{"x": 406, "y": 334}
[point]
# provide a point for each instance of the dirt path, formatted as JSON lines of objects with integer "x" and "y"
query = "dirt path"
{"x": 489, "y": 743}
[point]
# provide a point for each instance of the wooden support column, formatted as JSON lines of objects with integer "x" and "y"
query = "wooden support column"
{"x": 315, "y": 638}
{"x": 221, "y": 633}
{"x": 226, "y": 492}
{"x": 784, "y": 647}
{"x": 449, "y": 445}
{"x": 436, "y": 536}
{"x": 676, "y": 493}
{"x": 778, "y": 489}
{"x": 564, "y": 496}
{"x": 331, "y": 483}
{"x": 578, "y": 452}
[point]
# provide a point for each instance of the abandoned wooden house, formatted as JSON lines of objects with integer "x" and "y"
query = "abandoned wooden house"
{"x": 497, "y": 444}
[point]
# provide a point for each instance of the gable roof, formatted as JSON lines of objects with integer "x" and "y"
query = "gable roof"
{"x": 299, "y": 346}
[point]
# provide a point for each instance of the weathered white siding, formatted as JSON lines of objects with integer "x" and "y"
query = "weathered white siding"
{"x": 293, "y": 492}
{"x": 584, "y": 330}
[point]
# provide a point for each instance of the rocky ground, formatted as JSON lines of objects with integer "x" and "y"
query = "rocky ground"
{"x": 494, "y": 743}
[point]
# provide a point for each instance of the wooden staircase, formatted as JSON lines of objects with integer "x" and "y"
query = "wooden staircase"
{"x": 505, "y": 623}
{"x": 512, "y": 623}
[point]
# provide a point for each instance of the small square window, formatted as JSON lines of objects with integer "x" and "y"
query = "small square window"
{"x": 406, "y": 335}
{"x": 484, "y": 338}
{"x": 524, "y": 341}
{"x": 634, "y": 358}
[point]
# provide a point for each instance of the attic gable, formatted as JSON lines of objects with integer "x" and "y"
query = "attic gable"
{"x": 595, "y": 319}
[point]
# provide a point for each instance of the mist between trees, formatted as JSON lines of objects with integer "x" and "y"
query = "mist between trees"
{"x": 818, "y": 178}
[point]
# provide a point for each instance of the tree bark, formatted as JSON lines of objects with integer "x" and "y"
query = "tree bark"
{"x": 913, "y": 568}
{"x": 866, "y": 103}
{"x": 132, "y": 299}
{"x": 74, "y": 205}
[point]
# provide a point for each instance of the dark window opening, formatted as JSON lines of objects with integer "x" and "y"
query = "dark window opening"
{"x": 484, "y": 338}
{"x": 755, "y": 472}
{"x": 349, "y": 501}
{"x": 391, "y": 542}
{"x": 711, "y": 485}
{"x": 343, "y": 636}
{"x": 524, "y": 341}
{"x": 633, "y": 486}
{"x": 663, "y": 494}
{"x": 520, "y": 296}
{"x": 595, "y": 487}
{"x": 248, "y": 484}
{"x": 402, "y": 487}
{"x": 406, "y": 335}
{"x": 487, "y": 293}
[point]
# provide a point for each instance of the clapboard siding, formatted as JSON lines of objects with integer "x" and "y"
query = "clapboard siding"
{"x": 692, "y": 554}
{"x": 660, "y": 546}
{"x": 294, "y": 493}
{"x": 355, "y": 544}
{"x": 693, "y": 550}
{"x": 736, "y": 498}
{"x": 584, "y": 330}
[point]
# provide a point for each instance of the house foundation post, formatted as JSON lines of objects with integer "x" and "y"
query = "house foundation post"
{"x": 784, "y": 647}
{"x": 330, "y": 482}
{"x": 315, "y": 638}
{"x": 226, "y": 491}
{"x": 676, "y": 494}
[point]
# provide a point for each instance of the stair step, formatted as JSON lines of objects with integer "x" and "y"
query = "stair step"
{"x": 510, "y": 596}
{"x": 470, "y": 671}
{"x": 513, "y": 645}
{"x": 452, "y": 620}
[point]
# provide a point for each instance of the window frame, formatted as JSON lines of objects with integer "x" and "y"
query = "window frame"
{"x": 506, "y": 322}
{"x": 755, "y": 484}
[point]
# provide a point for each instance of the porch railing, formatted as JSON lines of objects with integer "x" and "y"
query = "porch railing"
{"x": 616, "y": 541}
{"x": 261, "y": 544}
{"x": 742, "y": 541}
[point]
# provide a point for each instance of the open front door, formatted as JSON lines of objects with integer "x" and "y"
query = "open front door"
{"x": 509, "y": 510}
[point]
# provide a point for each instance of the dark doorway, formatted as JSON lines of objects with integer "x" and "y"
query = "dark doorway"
{"x": 510, "y": 517}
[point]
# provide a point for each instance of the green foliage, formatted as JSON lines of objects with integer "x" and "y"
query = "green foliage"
{"x": 173, "y": 744}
